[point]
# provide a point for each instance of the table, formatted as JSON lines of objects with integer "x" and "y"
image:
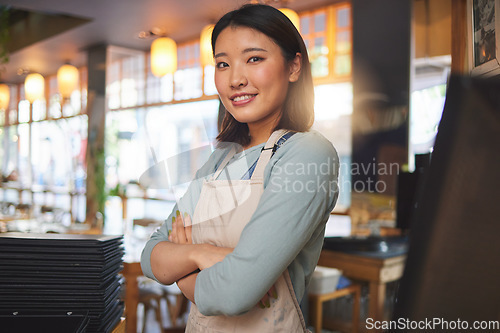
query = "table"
{"x": 376, "y": 269}
{"x": 120, "y": 327}
{"x": 131, "y": 271}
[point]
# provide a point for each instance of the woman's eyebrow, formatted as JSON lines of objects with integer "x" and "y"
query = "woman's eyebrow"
{"x": 222, "y": 54}
{"x": 250, "y": 49}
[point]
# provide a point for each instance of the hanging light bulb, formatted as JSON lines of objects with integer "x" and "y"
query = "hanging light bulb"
{"x": 293, "y": 16}
{"x": 163, "y": 56}
{"x": 34, "y": 87}
{"x": 206, "y": 54}
{"x": 4, "y": 96}
{"x": 67, "y": 80}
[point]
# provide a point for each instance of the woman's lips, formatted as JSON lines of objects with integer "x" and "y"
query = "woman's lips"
{"x": 243, "y": 99}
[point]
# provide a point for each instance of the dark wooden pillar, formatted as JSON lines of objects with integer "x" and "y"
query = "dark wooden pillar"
{"x": 96, "y": 124}
{"x": 459, "y": 36}
{"x": 381, "y": 95}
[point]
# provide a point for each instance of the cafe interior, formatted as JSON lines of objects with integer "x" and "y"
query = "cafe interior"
{"x": 108, "y": 108}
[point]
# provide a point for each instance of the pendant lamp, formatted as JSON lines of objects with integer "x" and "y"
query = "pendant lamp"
{"x": 34, "y": 87}
{"x": 206, "y": 54}
{"x": 163, "y": 56}
{"x": 293, "y": 16}
{"x": 4, "y": 96}
{"x": 67, "y": 80}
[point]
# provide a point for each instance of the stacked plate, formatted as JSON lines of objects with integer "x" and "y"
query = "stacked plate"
{"x": 69, "y": 275}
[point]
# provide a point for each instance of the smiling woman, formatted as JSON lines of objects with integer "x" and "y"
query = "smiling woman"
{"x": 244, "y": 240}
{"x": 266, "y": 47}
{"x": 251, "y": 76}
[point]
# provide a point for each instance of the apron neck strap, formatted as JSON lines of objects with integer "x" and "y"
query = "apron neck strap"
{"x": 224, "y": 162}
{"x": 267, "y": 152}
{"x": 264, "y": 157}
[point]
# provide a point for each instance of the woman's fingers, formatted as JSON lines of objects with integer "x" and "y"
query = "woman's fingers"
{"x": 179, "y": 225}
{"x": 173, "y": 233}
{"x": 272, "y": 292}
{"x": 265, "y": 302}
{"x": 181, "y": 229}
{"x": 188, "y": 228}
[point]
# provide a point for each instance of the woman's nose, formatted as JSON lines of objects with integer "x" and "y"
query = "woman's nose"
{"x": 238, "y": 79}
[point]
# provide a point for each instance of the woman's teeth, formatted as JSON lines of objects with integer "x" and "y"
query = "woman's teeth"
{"x": 242, "y": 98}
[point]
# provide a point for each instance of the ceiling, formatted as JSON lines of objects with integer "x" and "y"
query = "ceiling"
{"x": 85, "y": 23}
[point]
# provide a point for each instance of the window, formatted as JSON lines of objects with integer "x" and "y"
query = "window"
{"x": 335, "y": 124}
{"x": 125, "y": 75}
{"x": 159, "y": 90}
{"x": 427, "y": 102}
{"x": 342, "y": 40}
{"x": 43, "y": 148}
{"x": 176, "y": 123}
{"x": 426, "y": 109}
{"x": 314, "y": 32}
{"x": 327, "y": 34}
{"x": 138, "y": 141}
{"x": 188, "y": 78}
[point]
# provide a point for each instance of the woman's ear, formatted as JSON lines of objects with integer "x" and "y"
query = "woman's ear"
{"x": 295, "y": 66}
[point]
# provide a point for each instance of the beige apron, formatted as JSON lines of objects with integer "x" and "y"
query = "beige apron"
{"x": 223, "y": 210}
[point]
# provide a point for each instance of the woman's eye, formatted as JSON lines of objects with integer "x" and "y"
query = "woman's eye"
{"x": 222, "y": 64}
{"x": 254, "y": 59}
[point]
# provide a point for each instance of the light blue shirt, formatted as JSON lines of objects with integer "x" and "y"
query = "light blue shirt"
{"x": 286, "y": 231}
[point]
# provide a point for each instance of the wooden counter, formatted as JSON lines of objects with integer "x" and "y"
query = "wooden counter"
{"x": 376, "y": 270}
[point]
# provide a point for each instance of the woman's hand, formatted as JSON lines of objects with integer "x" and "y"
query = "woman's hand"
{"x": 181, "y": 229}
{"x": 265, "y": 301}
{"x": 182, "y": 234}
{"x": 211, "y": 255}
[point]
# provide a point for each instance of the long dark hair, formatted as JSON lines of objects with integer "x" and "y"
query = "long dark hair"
{"x": 298, "y": 109}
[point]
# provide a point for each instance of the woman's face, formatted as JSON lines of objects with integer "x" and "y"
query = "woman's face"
{"x": 252, "y": 76}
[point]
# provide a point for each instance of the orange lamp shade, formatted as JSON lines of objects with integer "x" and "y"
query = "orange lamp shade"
{"x": 67, "y": 80}
{"x": 206, "y": 54}
{"x": 34, "y": 87}
{"x": 293, "y": 16}
{"x": 163, "y": 56}
{"x": 4, "y": 96}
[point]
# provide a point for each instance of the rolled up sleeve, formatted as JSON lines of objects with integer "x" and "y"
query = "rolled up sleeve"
{"x": 160, "y": 235}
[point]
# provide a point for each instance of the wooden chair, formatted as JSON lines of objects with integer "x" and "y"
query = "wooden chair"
{"x": 176, "y": 308}
{"x": 151, "y": 294}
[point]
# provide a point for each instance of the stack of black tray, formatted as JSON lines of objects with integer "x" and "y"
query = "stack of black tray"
{"x": 67, "y": 274}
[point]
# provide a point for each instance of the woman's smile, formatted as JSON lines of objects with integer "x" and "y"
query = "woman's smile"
{"x": 242, "y": 99}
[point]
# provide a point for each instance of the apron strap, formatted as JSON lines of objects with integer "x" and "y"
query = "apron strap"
{"x": 224, "y": 162}
{"x": 266, "y": 154}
